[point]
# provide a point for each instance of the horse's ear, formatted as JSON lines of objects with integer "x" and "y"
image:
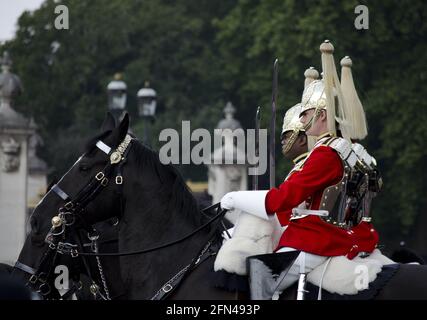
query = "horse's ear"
{"x": 109, "y": 123}
{"x": 123, "y": 127}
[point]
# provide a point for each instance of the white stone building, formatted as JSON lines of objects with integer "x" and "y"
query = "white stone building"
{"x": 223, "y": 177}
{"x": 15, "y": 131}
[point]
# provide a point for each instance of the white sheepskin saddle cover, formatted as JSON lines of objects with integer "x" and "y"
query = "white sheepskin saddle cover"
{"x": 251, "y": 236}
{"x": 343, "y": 276}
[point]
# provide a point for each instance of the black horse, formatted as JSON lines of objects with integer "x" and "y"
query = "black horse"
{"x": 154, "y": 207}
{"x": 162, "y": 210}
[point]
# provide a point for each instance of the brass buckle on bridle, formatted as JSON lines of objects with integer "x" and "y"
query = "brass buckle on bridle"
{"x": 93, "y": 236}
{"x": 42, "y": 277}
{"x": 68, "y": 218}
{"x": 74, "y": 253}
{"x": 166, "y": 288}
{"x": 119, "y": 180}
{"x": 69, "y": 205}
{"x": 44, "y": 289}
{"x": 104, "y": 182}
{"x": 33, "y": 279}
{"x": 100, "y": 175}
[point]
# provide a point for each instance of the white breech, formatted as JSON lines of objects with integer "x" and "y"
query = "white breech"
{"x": 305, "y": 263}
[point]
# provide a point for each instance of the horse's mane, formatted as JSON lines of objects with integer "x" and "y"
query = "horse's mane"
{"x": 182, "y": 200}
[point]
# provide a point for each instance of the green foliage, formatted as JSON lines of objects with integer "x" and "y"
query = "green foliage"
{"x": 200, "y": 54}
{"x": 169, "y": 43}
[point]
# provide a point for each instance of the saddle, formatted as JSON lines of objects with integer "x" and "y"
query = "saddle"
{"x": 249, "y": 252}
{"x": 359, "y": 278}
{"x": 387, "y": 272}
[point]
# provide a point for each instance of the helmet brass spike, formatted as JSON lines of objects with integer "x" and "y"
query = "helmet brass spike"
{"x": 310, "y": 75}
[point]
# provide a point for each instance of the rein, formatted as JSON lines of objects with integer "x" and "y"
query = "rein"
{"x": 220, "y": 214}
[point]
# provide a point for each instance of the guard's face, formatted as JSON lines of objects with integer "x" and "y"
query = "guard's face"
{"x": 315, "y": 127}
{"x": 285, "y": 139}
{"x": 305, "y": 118}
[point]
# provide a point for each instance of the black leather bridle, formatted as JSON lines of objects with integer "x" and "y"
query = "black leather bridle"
{"x": 70, "y": 217}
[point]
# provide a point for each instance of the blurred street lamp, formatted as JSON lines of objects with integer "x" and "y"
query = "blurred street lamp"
{"x": 117, "y": 94}
{"x": 147, "y": 103}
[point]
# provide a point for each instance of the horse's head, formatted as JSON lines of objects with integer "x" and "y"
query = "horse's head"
{"x": 115, "y": 177}
{"x": 69, "y": 207}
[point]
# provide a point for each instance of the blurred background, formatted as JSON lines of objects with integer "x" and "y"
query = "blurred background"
{"x": 199, "y": 54}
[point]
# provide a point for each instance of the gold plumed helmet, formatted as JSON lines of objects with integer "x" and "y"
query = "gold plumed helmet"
{"x": 326, "y": 94}
{"x": 291, "y": 120}
{"x": 314, "y": 96}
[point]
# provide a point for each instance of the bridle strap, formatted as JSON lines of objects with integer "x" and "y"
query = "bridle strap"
{"x": 102, "y": 146}
{"x": 64, "y": 196}
{"x": 25, "y": 268}
{"x": 97, "y": 183}
{"x": 92, "y": 189}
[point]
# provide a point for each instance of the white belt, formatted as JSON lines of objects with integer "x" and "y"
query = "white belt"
{"x": 300, "y": 212}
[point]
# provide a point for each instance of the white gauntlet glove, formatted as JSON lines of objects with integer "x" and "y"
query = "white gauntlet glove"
{"x": 252, "y": 202}
{"x": 227, "y": 201}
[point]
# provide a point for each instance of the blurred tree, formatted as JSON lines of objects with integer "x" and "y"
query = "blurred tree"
{"x": 65, "y": 72}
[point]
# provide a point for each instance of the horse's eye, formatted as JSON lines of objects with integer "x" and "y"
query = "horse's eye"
{"x": 84, "y": 167}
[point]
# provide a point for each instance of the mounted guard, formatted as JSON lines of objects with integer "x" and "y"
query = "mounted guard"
{"x": 314, "y": 198}
{"x": 247, "y": 241}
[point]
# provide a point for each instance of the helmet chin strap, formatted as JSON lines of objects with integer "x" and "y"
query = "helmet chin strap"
{"x": 290, "y": 142}
{"x": 309, "y": 124}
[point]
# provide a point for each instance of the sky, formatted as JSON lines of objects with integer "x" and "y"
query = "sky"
{"x": 10, "y": 10}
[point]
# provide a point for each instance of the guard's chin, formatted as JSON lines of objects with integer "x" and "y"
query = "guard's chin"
{"x": 284, "y": 152}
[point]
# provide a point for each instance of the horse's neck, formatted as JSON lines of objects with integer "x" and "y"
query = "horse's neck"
{"x": 146, "y": 273}
{"x": 160, "y": 220}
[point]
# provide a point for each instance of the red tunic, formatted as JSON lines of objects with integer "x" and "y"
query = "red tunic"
{"x": 311, "y": 234}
